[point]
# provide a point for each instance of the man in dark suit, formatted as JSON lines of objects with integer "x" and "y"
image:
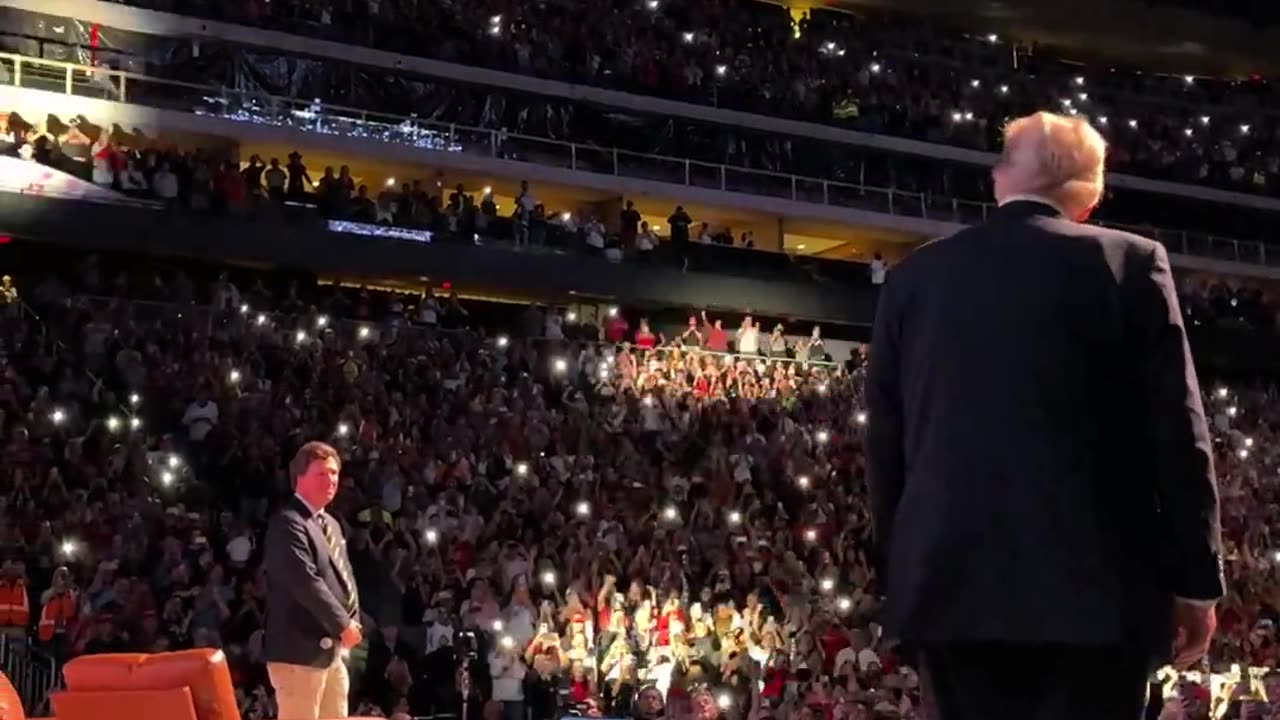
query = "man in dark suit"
{"x": 1041, "y": 476}
{"x": 312, "y": 603}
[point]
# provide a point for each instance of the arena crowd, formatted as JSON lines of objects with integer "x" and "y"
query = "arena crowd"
{"x": 555, "y": 511}
{"x": 874, "y": 71}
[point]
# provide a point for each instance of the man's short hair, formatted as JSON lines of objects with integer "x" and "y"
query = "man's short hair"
{"x": 307, "y": 454}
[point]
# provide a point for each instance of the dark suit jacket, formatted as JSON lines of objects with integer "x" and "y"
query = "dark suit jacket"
{"x": 306, "y": 597}
{"x": 1039, "y": 464}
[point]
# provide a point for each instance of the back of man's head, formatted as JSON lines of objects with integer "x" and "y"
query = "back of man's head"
{"x": 1059, "y": 158}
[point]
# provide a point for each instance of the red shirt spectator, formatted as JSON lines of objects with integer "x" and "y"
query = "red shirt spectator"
{"x": 229, "y": 185}
{"x": 701, "y": 387}
{"x": 833, "y": 641}
{"x": 717, "y": 339}
{"x": 664, "y": 625}
{"x": 615, "y": 328}
{"x": 645, "y": 339}
{"x": 775, "y": 679}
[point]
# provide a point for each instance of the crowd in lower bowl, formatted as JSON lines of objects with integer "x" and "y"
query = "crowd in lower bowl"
{"x": 537, "y": 525}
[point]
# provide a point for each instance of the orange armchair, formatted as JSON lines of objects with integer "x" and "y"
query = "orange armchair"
{"x": 186, "y": 685}
{"x": 10, "y": 702}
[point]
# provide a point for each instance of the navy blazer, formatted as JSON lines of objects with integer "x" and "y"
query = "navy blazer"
{"x": 1039, "y": 463}
{"x": 306, "y": 596}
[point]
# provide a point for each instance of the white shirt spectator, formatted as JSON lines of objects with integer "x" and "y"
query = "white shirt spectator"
{"x": 164, "y": 184}
{"x": 660, "y": 674}
{"x": 527, "y": 202}
{"x": 552, "y": 327}
{"x": 749, "y": 340}
{"x": 520, "y": 624}
{"x": 866, "y": 657}
{"x": 239, "y": 548}
{"x": 878, "y": 269}
{"x": 103, "y": 175}
{"x": 595, "y": 234}
{"x": 646, "y": 241}
{"x": 438, "y": 635}
{"x": 200, "y": 418}
{"x": 428, "y": 311}
{"x": 384, "y": 205}
{"x": 507, "y": 671}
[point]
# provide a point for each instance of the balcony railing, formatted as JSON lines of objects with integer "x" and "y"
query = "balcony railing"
{"x": 316, "y": 117}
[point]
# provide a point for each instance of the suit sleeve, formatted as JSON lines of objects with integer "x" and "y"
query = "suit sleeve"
{"x": 1173, "y": 418}
{"x": 291, "y": 567}
{"x": 884, "y": 443}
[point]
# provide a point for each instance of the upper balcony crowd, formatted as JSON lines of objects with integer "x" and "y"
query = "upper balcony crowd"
{"x": 876, "y": 73}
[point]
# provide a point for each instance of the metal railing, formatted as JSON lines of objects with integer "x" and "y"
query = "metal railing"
{"x": 316, "y": 117}
{"x": 33, "y": 674}
{"x": 1183, "y": 242}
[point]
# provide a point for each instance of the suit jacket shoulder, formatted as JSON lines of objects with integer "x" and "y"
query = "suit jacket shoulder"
{"x": 1123, "y": 250}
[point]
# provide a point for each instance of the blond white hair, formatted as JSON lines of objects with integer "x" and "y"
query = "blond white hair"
{"x": 1058, "y": 157}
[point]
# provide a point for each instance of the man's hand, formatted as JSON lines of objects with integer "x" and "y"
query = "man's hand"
{"x": 351, "y": 636}
{"x": 1193, "y": 626}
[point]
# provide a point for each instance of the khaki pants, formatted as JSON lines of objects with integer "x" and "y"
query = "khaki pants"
{"x": 308, "y": 693}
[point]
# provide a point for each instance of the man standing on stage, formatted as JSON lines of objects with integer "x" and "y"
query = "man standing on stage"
{"x": 1046, "y": 514}
{"x": 312, "y": 603}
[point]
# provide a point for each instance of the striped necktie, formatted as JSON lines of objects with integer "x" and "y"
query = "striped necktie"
{"x": 340, "y": 559}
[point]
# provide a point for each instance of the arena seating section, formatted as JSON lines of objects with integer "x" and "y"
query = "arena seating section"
{"x": 533, "y": 494}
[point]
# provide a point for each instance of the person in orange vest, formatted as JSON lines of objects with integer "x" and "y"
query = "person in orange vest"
{"x": 15, "y": 604}
{"x": 58, "y": 607}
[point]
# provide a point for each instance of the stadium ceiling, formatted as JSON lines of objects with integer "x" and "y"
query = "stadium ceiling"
{"x": 1132, "y": 32}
